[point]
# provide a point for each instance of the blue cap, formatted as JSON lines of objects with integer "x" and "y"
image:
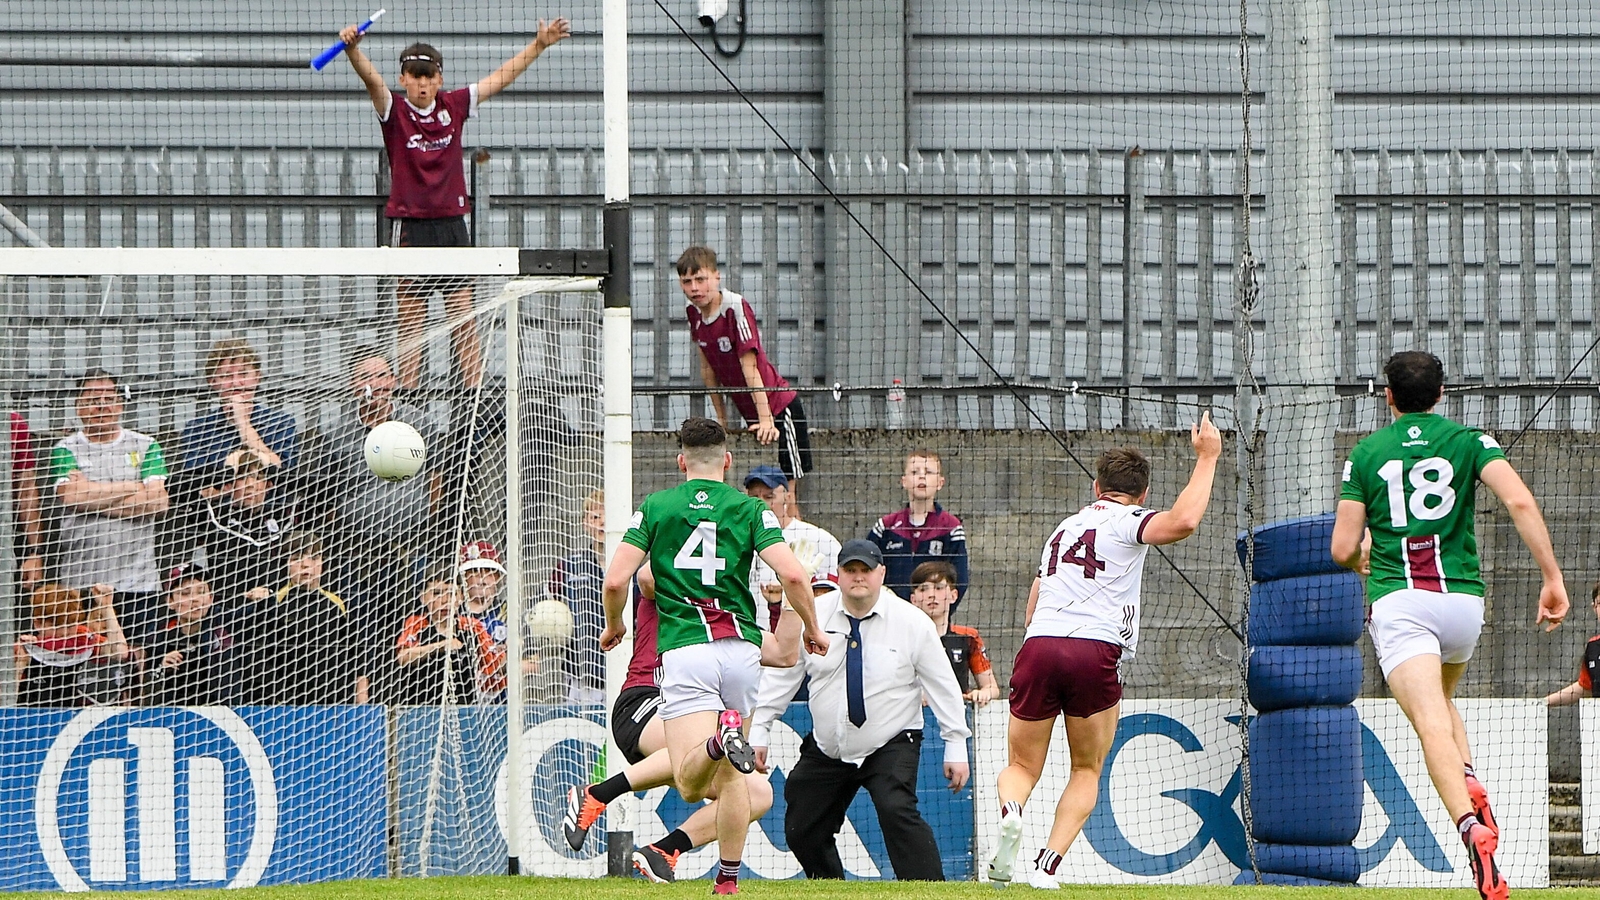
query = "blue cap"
{"x": 771, "y": 476}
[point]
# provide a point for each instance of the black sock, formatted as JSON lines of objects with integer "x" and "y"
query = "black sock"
{"x": 727, "y": 870}
{"x": 676, "y": 842}
{"x": 610, "y": 789}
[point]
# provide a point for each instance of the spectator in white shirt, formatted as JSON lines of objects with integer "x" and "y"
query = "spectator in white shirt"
{"x": 866, "y": 712}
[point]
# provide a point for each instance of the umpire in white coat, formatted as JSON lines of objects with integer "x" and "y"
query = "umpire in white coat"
{"x": 866, "y": 713}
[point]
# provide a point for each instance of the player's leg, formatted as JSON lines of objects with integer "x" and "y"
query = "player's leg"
{"x": 411, "y": 314}
{"x": 701, "y": 729}
{"x": 741, "y": 677}
{"x": 658, "y": 860}
{"x": 636, "y": 727}
{"x": 733, "y": 823}
{"x": 1417, "y": 685}
{"x": 1088, "y": 742}
{"x": 1450, "y": 674}
{"x": 1034, "y": 707}
{"x": 465, "y": 338}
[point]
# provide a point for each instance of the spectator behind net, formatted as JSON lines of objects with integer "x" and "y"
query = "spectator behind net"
{"x": 209, "y": 447}
{"x": 923, "y": 531}
{"x": 73, "y": 656}
{"x": 578, "y": 580}
{"x": 306, "y": 641}
{"x": 245, "y": 524}
{"x": 478, "y": 564}
{"x": 477, "y": 669}
{"x": 380, "y": 529}
{"x": 190, "y": 659}
{"x": 111, "y": 483}
{"x": 25, "y": 500}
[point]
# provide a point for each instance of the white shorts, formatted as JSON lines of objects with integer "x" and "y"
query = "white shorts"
{"x": 723, "y": 674}
{"x": 1410, "y": 623}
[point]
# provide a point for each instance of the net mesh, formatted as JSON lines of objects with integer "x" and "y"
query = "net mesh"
{"x": 1015, "y": 235}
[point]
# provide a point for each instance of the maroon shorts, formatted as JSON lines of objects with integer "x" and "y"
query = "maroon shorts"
{"x": 1071, "y": 676}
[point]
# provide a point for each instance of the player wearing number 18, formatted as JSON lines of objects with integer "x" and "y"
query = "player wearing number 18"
{"x": 1405, "y": 521}
{"x": 700, "y": 538}
{"x": 1083, "y": 622}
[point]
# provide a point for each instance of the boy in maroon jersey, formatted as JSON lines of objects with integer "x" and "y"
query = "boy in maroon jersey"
{"x": 722, "y": 325}
{"x": 422, "y": 129}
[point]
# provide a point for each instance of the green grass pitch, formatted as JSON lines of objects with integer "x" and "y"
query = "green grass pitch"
{"x": 488, "y": 888}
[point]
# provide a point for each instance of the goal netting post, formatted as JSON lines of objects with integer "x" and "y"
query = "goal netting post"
{"x": 303, "y": 671}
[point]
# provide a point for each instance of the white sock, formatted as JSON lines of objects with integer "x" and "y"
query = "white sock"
{"x": 1010, "y": 808}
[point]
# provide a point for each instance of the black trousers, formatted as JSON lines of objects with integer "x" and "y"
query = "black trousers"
{"x": 820, "y": 788}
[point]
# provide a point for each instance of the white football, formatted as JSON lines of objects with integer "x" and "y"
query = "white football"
{"x": 550, "y": 620}
{"x": 395, "y": 451}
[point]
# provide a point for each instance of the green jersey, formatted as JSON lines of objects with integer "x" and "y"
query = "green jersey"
{"x": 1418, "y": 479}
{"x": 701, "y": 537}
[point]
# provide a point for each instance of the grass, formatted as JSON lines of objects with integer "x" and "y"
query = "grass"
{"x": 491, "y": 888}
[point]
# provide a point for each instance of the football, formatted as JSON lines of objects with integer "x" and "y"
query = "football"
{"x": 395, "y": 451}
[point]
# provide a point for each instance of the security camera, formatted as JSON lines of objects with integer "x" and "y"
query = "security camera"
{"x": 711, "y": 11}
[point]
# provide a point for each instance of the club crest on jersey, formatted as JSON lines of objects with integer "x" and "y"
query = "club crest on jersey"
{"x": 725, "y": 345}
{"x": 444, "y": 117}
{"x": 638, "y": 519}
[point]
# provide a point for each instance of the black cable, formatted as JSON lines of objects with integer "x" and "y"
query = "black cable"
{"x": 1554, "y": 393}
{"x": 917, "y": 286}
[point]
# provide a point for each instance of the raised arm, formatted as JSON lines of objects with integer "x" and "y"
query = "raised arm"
{"x": 1524, "y": 510}
{"x": 1172, "y": 525}
{"x": 498, "y": 80}
{"x": 365, "y": 70}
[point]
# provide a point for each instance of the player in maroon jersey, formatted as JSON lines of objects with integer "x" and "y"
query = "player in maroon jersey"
{"x": 428, "y": 203}
{"x": 643, "y": 741}
{"x": 723, "y": 326}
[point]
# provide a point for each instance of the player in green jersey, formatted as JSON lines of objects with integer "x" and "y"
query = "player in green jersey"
{"x": 700, "y": 538}
{"x": 1405, "y": 522}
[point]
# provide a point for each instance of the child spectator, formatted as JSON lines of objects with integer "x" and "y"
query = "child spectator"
{"x": 723, "y": 325}
{"x": 577, "y": 580}
{"x": 306, "y": 641}
{"x": 1587, "y": 669}
{"x": 111, "y": 482}
{"x": 422, "y": 135}
{"x": 933, "y": 590}
{"x": 73, "y": 656}
{"x": 477, "y": 668}
{"x": 211, "y": 443}
{"x": 478, "y": 565}
{"x": 245, "y": 524}
{"x": 190, "y": 660}
{"x": 922, "y": 531}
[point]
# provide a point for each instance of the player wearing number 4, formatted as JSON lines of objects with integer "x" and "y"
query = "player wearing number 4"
{"x": 700, "y": 538}
{"x": 1083, "y": 622}
{"x": 1405, "y": 522}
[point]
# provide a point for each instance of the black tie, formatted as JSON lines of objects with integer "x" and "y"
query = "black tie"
{"x": 852, "y": 675}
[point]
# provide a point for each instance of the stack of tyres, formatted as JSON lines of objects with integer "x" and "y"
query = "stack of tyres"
{"x": 1304, "y": 671}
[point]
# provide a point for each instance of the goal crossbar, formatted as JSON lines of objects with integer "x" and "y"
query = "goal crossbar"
{"x": 302, "y": 261}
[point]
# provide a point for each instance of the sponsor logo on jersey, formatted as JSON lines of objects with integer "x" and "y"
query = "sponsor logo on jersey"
{"x": 1415, "y": 434}
{"x": 638, "y": 520}
{"x": 418, "y": 142}
{"x": 770, "y": 519}
{"x": 700, "y": 501}
{"x": 1488, "y": 442}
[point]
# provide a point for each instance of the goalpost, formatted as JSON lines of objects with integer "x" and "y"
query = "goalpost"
{"x": 511, "y": 463}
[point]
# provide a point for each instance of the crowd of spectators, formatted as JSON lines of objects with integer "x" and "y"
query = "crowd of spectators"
{"x": 253, "y": 562}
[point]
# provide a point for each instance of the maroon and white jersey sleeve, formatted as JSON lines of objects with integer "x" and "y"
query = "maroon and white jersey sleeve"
{"x": 1090, "y": 575}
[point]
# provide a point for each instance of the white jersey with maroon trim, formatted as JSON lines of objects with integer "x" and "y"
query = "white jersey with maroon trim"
{"x": 1090, "y": 575}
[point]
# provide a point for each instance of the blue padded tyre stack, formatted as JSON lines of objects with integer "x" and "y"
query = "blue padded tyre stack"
{"x": 1306, "y": 614}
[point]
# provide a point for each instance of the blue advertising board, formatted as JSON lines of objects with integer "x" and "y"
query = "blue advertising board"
{"x": 452, "y": 799}
{"x": 134, "y": 799}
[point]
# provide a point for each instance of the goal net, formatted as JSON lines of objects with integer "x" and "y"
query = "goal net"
{"x": 274, "y": 639}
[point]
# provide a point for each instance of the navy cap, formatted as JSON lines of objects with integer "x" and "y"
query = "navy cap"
{"x": 860, "y": 550}
{"x": 187, "y": 571}
{"x": 771, "y": 476}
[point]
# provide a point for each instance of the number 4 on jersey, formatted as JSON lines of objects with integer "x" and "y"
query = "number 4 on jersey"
{"x": 1081, "y": 553}
{"x": 703, "y": 540}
